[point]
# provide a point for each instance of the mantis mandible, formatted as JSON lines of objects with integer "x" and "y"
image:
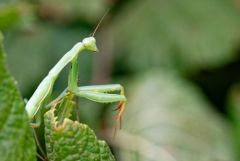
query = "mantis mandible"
{"x": 97, "y": 93}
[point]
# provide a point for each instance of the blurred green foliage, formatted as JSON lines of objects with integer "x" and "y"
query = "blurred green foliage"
{"x": 177, "y": 39}
{"x": 9, "y": 16}
{"x": 184, "y": 35}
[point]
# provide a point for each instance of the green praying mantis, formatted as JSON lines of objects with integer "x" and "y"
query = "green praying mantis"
{"x": 97, "y": 93}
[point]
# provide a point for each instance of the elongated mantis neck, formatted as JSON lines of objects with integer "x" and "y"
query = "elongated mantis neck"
{"x": 88, "y": 43}
{"x": 67, "y": 58}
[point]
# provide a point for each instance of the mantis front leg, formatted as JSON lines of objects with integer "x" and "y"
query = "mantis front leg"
{"x": 97, "y": 93}
{"x": 100, "y": 93}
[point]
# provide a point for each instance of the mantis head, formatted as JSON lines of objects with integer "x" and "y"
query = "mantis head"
{"x": 90, "y": 44}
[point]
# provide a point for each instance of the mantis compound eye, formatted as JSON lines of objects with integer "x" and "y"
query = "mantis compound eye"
{"x": 90, "y": 44}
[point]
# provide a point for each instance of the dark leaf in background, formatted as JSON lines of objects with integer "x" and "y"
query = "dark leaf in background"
{"x": 184, "y": 35}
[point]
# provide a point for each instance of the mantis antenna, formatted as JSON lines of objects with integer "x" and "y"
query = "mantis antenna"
{"x": 99, "y": 23}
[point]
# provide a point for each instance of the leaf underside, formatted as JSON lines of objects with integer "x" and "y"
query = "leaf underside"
{"x": 16, "y": 141}
{"x": 73, "y": 141}
{"x": 177, "y": 120}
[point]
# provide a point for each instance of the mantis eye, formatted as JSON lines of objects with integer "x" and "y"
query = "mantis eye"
{"x": 90, "y": 43}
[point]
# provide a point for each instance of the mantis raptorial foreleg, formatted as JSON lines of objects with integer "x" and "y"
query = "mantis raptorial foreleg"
{"x": 100, "y": 93}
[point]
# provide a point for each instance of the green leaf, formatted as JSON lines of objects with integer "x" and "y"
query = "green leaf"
{"x": 73, "y": 141}
{"x": 185, "y": 35}
{"x": 167, "y": 116}
{"x": 16, "y": 140}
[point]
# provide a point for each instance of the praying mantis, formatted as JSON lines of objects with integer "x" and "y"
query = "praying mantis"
{"x": 97, "y": 93}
